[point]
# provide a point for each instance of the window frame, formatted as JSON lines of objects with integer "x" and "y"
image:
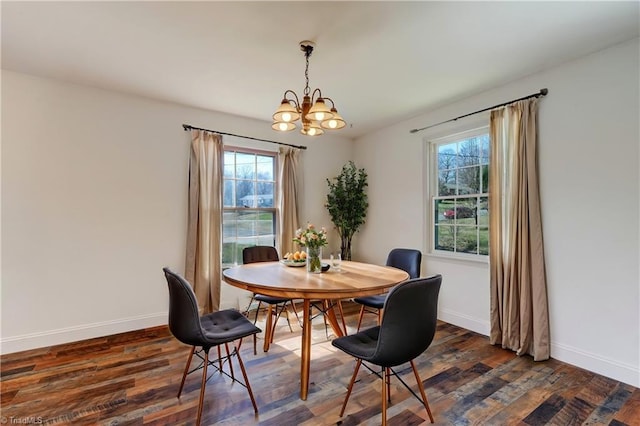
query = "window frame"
{"x": 432, "y": 180}
{"x": 274, "y": 210}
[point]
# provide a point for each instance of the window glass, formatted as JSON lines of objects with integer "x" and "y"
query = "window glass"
{"x": 459, "y": 194}
{"x": 249, "y": 216}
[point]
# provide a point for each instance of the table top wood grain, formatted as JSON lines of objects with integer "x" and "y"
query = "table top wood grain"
{"x": 354, "y": 279}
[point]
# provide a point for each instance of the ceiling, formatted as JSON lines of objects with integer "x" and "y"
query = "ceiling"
{"x": 381, "y": 62}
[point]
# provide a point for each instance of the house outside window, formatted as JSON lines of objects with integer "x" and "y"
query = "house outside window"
{"x": 458, "y": 194}
{"x": 249, "y": 216}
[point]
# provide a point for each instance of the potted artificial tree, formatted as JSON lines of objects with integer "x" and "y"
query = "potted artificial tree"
{"x": 347, "y": 204}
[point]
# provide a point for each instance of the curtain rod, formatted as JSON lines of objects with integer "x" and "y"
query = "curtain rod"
{"x": 189, "y": 126}
{"x": 541, "y": 93}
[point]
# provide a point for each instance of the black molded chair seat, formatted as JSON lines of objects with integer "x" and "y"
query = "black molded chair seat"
{"x": 363, "y": 346}
{"x": 375, "y": 302}
{"x": 270, "y": 299}
{"x": 406, "y": 331}
{"x": 225, "y": 326}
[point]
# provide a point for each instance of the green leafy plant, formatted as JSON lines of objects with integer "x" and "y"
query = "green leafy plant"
{"x": 347, "y": 204}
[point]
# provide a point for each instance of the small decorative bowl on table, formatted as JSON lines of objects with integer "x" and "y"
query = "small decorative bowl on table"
{"x": 298, "y": 258}
{"x": 293, "y": 263}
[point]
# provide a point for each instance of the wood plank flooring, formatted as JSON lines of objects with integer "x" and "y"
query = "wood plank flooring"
{"x": 133, "y": 378}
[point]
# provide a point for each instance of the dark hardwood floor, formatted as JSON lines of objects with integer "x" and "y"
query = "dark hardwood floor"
{"x": 133, "y": 378}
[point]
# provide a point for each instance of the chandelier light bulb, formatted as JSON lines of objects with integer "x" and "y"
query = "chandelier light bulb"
{"x": 283, "y": 126}
{"x": 311, "y": 132}
{"x": 286, "y": 117}
{"x": 335, "y": 122}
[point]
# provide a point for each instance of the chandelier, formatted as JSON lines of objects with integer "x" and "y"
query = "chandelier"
{"x": 314, "y": 112}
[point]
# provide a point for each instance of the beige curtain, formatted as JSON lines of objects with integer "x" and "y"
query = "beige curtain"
{"x": 519, "y": 309}
{"x": 288, "y": 204}
{"x": 203, "y": 260}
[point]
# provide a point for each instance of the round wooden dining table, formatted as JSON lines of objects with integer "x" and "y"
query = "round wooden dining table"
{"x": 276, "y": 279}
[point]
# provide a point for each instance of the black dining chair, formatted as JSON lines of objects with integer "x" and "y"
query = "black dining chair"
{"x": 408, "y": 260}
{"x": 205, "y": 332}
{"x": 276, "y": 305}
{"x": 407, "y": 330}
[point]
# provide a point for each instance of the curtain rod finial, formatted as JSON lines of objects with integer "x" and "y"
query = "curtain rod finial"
{"x": 544, "y": 91}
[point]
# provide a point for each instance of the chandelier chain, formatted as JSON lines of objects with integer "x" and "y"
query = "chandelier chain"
{"x": 306, "y": 73}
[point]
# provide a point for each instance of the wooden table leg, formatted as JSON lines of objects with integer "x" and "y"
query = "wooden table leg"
{"x": 268, "y": 329}
{"x": 331, "y": 316}
{"x": 305, "y": 356}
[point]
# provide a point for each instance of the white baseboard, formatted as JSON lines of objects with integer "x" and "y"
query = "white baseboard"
{"x": 465, "y": 321}
{"x": 608, "y": 367}
{"x": 82, "y": 332}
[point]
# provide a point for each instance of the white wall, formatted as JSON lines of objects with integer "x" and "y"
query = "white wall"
{"x": 589, "y": 160}
{"x": 94, "y": 195}
{"x": 94, "y": 205}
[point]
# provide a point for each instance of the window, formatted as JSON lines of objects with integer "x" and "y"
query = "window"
{"x": 249, "y": 216}
{"x": 459, "y": 194}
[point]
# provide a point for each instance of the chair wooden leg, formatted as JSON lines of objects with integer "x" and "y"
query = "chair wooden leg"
{"x": 388, "y": 382}
{"x": 278, "y": 314}
{"x": 186, "y": 370}
{"x": 246, "y": 311}
{"x": 267, "y": 329}
{"x": 246, "y": 380}
{"x": 219, "y": 359}
{"x": 353, "y": 380}
{"x": 344, "y": 324}
{"x": 424, "y": 396}
{"x": 255, "y": 319}
{"x": 385, "y": 375}
{"x": 286, "y": 311}
{"x": 325, "y": 310}
{"x": 255, "y": 344}
{"x": 379, "y": 316}
{"x": 360, "y": 317}
{"x": 233, "y": 377}
{"x": 202, "y": 386}
{"x": 295, "y": 312}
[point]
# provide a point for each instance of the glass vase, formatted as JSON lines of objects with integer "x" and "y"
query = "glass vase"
{"x": 314, "y": 260}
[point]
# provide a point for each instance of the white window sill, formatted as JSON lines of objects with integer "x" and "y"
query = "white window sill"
{"x": 460, "y": 258}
